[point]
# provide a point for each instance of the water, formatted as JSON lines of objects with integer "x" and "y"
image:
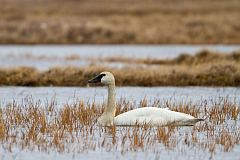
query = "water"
{"x": 46, "y": 56}
{"x": 63, "y": 95}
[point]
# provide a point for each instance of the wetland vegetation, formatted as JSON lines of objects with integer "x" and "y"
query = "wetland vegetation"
{"x": 206, "y": 68}
{"x": 104, "y": 22}
{"x": 67, "y": 127}
{"x": 34, "y": 125}
{"x": 60, "y": 122}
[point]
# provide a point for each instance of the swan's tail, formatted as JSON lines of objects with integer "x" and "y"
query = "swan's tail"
{"x": 189, "y": 122}
{"x": 197, "y": 120}
{"x": 192, "y": 122}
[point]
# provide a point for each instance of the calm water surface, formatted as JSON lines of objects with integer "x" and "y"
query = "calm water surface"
{"x": 63, "y": 95}
{"x": 47, "y": 56}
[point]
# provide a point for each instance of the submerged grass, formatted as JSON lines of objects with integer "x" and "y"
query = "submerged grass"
{"x": 206, "y": 68}
{"x": 72, "y": 128}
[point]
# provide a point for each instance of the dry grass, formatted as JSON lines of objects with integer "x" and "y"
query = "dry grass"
{"x": 204, "y": 69}
{"x": 120, "y": 21}
{"x": 200, "y": 58}
{"x": 72, "y": 129}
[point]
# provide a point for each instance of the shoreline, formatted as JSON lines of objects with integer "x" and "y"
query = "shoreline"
{"x": 203, "y": 69}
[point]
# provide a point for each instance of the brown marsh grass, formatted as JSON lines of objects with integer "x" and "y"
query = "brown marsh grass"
{"x": 201, "y": 57}
{"x": 94, "y": 22}
{"x": 206, "y": 68}
{"x": 72, "y": 129}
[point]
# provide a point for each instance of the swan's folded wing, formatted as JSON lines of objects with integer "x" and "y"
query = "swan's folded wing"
{"x": 152, "y": 116}
{"x": 123, "y": 120}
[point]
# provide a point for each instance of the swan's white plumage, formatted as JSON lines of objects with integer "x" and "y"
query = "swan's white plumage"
{"x": 152, "y": 116}
{"x": 147, "y": 115}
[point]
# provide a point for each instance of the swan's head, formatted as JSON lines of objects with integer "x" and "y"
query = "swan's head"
{"x": 106, "y": 78}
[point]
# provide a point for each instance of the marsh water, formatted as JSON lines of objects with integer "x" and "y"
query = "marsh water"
{"x": 44, "y": 57}
{"x": 173, "y": 95}
{"x": 65, "y": 95}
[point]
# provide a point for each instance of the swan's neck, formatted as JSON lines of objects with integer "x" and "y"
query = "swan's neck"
{"x": 106, "y": 119}
{"x": 111, "y": 105}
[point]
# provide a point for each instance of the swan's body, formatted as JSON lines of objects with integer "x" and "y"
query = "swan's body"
{"x": 155, "y": 117}
{"x": 141, "y": 116}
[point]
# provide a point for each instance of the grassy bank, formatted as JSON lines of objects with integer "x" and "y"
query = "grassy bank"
{"x": 204, "y": 69}
{"x": 120, "y": 21}
{"x": 46, "y": 128}
{"x": 200, "y": 58}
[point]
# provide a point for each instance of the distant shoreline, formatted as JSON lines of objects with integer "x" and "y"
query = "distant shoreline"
{"x": 91, "y": 22}
{"x": 203, "y": 69}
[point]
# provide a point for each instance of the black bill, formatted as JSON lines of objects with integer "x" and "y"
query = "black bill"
{"x": 96, "y": 79}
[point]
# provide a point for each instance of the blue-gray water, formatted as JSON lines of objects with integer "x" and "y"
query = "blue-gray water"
{"x": 63, "y": 95}
{"x": 46, "y": 56}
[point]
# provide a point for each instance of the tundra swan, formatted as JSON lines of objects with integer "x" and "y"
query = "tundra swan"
{"x": 153, "y": 116}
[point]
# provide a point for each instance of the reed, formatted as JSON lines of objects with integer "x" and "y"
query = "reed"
{"x": 46, "y": 127}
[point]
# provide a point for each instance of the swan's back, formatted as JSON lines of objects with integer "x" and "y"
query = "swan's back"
{"x": 155, "y": 117}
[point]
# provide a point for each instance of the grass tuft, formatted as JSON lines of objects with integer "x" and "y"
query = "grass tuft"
{"x": 46, "y": 128}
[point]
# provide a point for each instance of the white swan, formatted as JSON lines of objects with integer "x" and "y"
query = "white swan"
{"x": 141, "y": 116}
